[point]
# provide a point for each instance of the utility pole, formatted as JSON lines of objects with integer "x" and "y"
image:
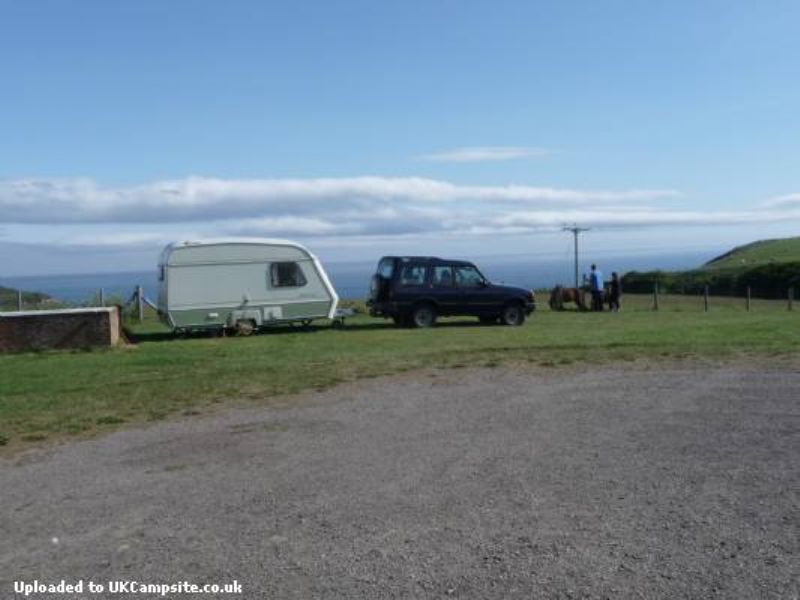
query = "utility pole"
{"x": 575, "y": 231}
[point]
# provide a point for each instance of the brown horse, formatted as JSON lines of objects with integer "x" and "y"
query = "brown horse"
{"x": 560, "y": 295}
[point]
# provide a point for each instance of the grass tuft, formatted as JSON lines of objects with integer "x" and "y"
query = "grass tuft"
{"x": 109, "y": 420}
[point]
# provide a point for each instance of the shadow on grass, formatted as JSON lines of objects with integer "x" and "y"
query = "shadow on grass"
{"x": 388, "y": 325}
{"x": 149, "y": 336}
{"x": 138, "y": 337}
{"x": 169, "y": 336}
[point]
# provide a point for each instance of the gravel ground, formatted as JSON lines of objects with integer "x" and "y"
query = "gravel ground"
{"x": 676, "y": 481}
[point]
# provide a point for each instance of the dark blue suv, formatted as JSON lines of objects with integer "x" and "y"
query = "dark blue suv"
{"x": 415, "y": 290}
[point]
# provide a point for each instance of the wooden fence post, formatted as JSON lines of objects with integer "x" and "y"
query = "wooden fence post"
{"x": 791, "y": 298}
{"x": 19, "y": 300}
{"x": 705, "y": 298}
{"x": 655, "y": 296}
{"x": 140, "y": 303}
{"x": 747, "y": 300}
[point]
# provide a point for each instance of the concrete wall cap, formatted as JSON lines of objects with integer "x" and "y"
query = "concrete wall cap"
{"x": 58, "y": 311}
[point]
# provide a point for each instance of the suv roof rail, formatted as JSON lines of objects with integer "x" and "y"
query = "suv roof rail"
{"x": 431, "y": 259}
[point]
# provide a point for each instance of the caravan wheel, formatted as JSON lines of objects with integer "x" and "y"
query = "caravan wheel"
{"x": 245, "y": 327}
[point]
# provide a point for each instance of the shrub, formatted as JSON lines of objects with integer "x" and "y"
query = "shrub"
{"x": 765, "y": 281}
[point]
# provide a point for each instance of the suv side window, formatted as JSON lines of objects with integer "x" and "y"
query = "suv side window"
{"x": 442, "y": 276}
{"x": 468, "y": 277}
{"x": 386, "y": 268}
{"x": 412, "y": 274}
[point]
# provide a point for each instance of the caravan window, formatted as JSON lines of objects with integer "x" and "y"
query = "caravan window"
{"x": 286, "y": 274}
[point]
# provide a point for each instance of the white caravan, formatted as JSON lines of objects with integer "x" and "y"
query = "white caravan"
{"x": 241, "y": 283}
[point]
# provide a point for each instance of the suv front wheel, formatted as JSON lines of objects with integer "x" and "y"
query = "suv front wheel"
{"x": 423, "y": 315}
{"x": 513, "y": 315}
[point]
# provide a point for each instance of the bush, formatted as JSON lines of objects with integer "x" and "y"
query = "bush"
{"x": 359, "y": 306}
{"x": 765, "y": 281}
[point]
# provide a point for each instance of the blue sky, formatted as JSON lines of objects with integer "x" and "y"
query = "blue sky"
{"x": 369, "y": 127}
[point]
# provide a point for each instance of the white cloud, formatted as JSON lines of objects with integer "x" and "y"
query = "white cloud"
{"x": 616, "y": 217}
{"x": 203, "y": 199}
{"x": 286, "y": 226}
{"x": 787, "y": 200}
{"x": 473, "y": 154}
{"x": 130, "y": 239}
{"x": 82, "y": 213}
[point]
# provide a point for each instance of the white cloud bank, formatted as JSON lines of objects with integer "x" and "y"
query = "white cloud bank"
{"x": 788, "y": 200}
{"x": 202, "y": 199}
{"x": 474, "y": 154}
{"x": 82, "y": 212}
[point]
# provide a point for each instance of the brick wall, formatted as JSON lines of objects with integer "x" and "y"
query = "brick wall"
{"x": 59, "y": 329}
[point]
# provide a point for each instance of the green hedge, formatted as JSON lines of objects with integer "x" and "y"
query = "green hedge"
{"x": 765, "y": 281}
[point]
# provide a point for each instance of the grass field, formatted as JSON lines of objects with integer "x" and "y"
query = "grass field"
{"x": 50, "y": 395}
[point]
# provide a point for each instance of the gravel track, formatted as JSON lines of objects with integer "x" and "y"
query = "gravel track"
{"x": 676, "y": 481}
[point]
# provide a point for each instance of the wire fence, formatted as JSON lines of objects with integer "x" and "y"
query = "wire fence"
{"x": 704, "y": 300}
{"x": 30, "y": 301}
{"x": 748, "y": 298}
{"x": 708, "y": 302}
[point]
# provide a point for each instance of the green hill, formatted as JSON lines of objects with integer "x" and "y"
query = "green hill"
{"x": 759, "y": 253}
{"x": 767, "y": 267}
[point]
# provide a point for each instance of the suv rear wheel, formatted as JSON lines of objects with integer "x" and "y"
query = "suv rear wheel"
{"x": 513, "y": 315}
{"x": 423, "y": 315}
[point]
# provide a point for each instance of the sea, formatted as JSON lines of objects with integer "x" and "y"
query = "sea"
{"x": 351, "y": 279}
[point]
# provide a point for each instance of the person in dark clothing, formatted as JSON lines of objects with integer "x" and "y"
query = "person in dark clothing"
{"x": 614, "y": 292}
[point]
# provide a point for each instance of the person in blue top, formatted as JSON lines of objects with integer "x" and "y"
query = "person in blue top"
{"x": 596, "y": 286}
